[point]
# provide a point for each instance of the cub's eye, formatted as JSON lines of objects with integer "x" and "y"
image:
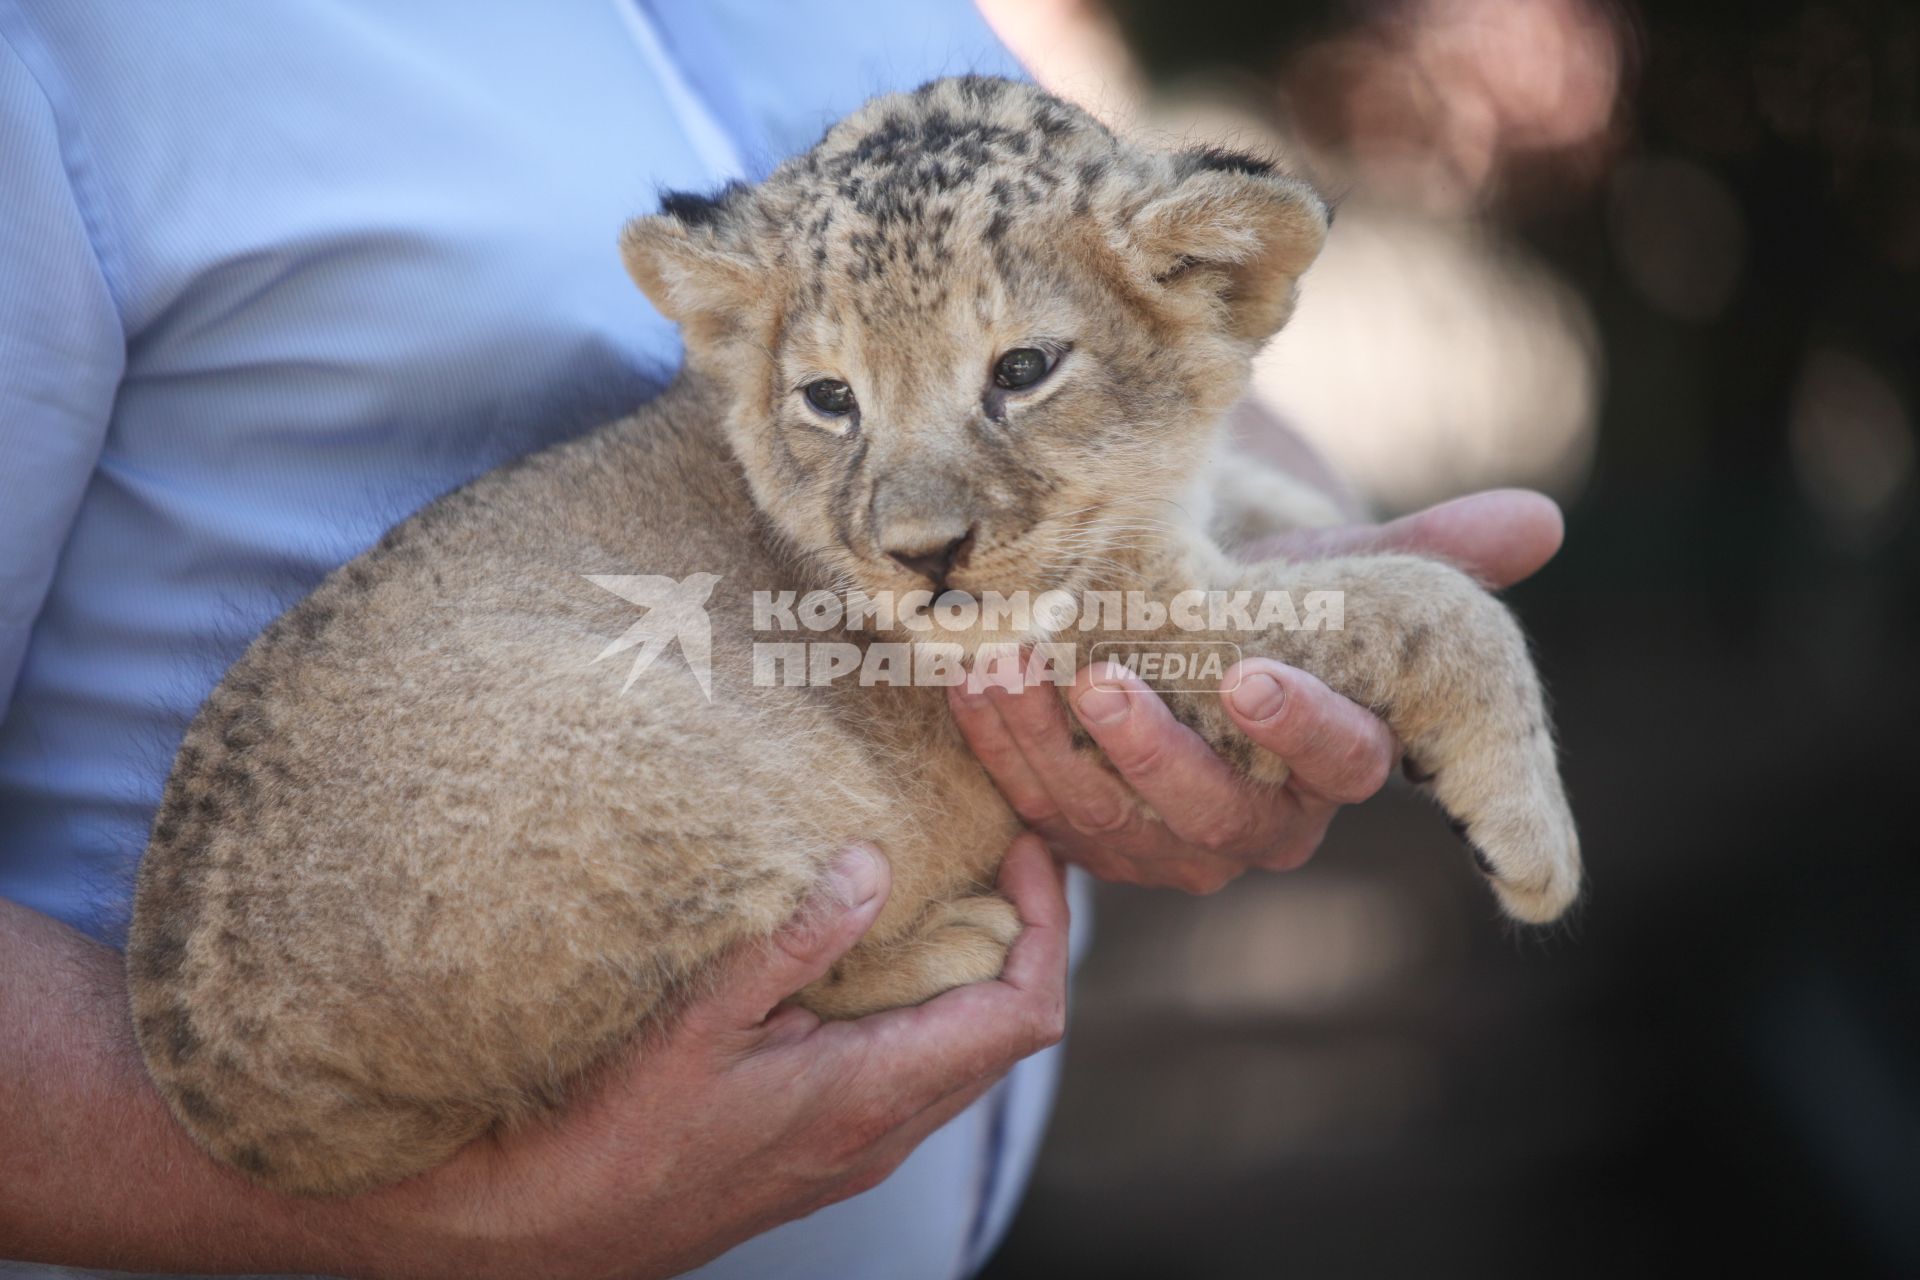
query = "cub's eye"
{"x": 830, "y": 396}
{"x": 1022, "y": 367}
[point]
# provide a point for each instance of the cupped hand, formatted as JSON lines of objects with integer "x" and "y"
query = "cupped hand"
{"x": 748, "y": 1112}
{"x": 1202, "y": 824}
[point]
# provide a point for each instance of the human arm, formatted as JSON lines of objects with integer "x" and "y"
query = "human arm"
{"x": 747, "y": 1113}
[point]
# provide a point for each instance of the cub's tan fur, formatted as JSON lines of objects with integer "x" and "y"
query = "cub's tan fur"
{"x": 421, "y": 863}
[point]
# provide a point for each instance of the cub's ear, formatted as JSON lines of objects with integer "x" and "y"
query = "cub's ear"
{"x": 1232, "y": 232}
{"x": 692, "y": 260}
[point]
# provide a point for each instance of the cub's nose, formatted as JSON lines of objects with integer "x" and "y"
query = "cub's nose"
{"x": 935, "y": 562}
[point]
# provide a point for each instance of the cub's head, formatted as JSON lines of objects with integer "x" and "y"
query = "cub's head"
{"x": 974, "y": 341}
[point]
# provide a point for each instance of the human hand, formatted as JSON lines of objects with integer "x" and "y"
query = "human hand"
{"x": 747, "y": 1113}
{"x": 1211, "y": 825}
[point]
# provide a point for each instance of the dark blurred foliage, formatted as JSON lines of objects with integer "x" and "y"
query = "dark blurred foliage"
{"x": 1718, "y": 1061}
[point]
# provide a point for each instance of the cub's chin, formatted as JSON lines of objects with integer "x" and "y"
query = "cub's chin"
{"x": 973, "y": 612}
{"x": 987, "y": 619}
{"x": 977, "y": 643}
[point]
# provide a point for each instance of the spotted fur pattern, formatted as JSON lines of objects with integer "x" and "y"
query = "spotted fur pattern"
{"x": 421, "y": 865}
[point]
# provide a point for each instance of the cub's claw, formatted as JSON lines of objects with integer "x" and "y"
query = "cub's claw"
{"x": 1521, "y": 836}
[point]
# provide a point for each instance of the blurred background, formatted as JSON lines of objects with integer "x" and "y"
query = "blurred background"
{"x": 1662, "y": 261}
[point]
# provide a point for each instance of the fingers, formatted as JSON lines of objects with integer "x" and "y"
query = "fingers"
{"x": 1076, "y": 788}
{"x": 1338, "y": 751}
{"x": 1500, "y": 537}
{"x": 1022, "y": 786}
{"x": 825, "y": 928}
{"x": 987, "y": 737}
{"x": 888, "y": 1080}
{"x": 1199, "y": 798}
{"x": 1037, "y": 887}
{"x": 925, "y": 1053}
{"x": 1205, "y": 827}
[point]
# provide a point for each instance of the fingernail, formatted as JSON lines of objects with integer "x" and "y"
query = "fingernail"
{"x": 1097, "y": 705}
{"x": 1259, "y": 696}
{"x": 856, "y": 875}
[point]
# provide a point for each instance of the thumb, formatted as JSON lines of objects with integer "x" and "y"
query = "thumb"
{"x": 1500, "y": 536}
{"x": 827, "y": 925}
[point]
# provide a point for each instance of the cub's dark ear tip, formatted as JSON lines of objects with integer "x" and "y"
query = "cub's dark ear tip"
{"x": 696, "y": 209}
{"x": 1222, "y": 160}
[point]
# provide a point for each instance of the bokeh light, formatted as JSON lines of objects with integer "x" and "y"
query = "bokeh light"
{"x": 1853, "y": 445}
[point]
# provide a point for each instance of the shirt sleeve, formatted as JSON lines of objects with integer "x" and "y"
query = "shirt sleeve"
{"x": 62, "y": 349}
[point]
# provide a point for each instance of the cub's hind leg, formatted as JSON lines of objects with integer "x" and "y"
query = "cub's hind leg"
{"x": 342, "y": 989}
{"x": 361, "y": 1054}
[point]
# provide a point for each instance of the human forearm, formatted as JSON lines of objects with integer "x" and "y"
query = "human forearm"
{"x": 93, "y": 1169}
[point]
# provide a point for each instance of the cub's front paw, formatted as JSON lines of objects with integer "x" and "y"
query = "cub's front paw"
{"x": 1509, "y": 808}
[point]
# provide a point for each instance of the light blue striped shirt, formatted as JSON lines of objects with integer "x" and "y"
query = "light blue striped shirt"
{"x": 272, "y": 275}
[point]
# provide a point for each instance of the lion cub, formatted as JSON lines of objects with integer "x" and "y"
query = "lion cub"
{"x": 423, "y": 861}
